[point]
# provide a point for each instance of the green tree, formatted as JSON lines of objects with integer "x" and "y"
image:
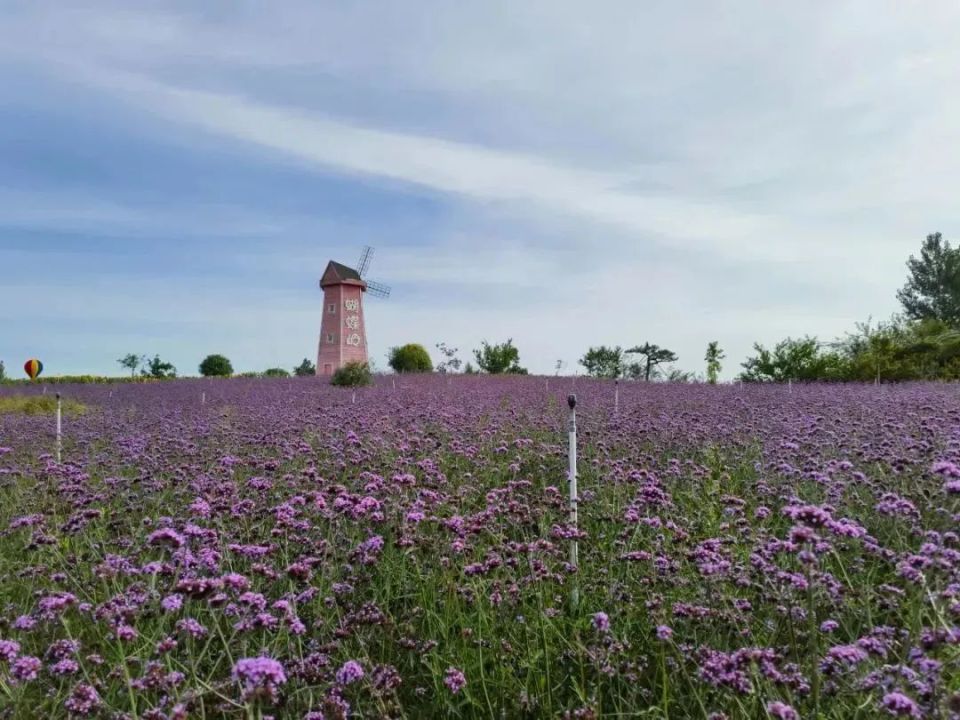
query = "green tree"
{"x": 409, "y": 358}
{"x": 794, "y": 359}
{"x": 216, "y": 366}
{"x": 603, "y": 362}
{"x": 713, "y": 357}
{"x": 3, "y": 371}
{"x": 276, "y": 372}
{"x": 653, "y": 355}
{"x": 157, "y": 368}
{"x": 305, "y": 369}
{"x": 932, "y": 290}
{"x": 352, "y": 374}
{"x": 502, "y": 358}
{"x": 131, "y": 362}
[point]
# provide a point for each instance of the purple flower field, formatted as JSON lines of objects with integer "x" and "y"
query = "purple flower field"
{"x": 285, "y": 551}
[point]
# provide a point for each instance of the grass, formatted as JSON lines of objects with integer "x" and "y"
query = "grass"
{"x": 38, "y": 405}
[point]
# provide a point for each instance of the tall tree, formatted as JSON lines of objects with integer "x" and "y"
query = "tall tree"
{"x": 158, "y": 368}
{"x": 501, "y": 358}
{"x": 653, "y": 355}
{"x": 713, "y": 357}
{"x": 451, "y": 362}
{"x": 216, "y": 366}
{"x": 3, "y": 371}
{"x": 603, "y": 361}
{"x": 131, "y": 362}
{"x": 932, "y": 290}
{"x": 305, "y": 369}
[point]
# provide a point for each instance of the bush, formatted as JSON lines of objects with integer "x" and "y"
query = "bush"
{"x": 248, "y": 374}
{"x": 275, "y": 372}
{"x": 353, "y": 374}
{"x": 216, "y": 366}
{"x": 410, "y": 358}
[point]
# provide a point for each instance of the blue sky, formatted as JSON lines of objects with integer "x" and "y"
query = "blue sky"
{"x": 174, "y": 176}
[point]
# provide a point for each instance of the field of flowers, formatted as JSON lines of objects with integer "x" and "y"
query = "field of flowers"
{"x": 294, "y": 550}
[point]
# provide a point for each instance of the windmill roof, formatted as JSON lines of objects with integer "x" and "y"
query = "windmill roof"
{"x": 337, "y": 273}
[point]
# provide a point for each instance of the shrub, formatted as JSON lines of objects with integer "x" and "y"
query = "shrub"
{"x": 216, "y": 366}
{"x": 410, "y": 358}
{"x": 353, "y": 374}
{"x": 275, "y": 372}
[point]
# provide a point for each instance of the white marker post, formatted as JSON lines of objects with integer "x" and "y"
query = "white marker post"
{"x": 59, "y": 428}
{"x": 203, "y": 398}
{"x": 572, "y": 477}
{"x": 353, "y": 399}
{"x": 790, "y": 385}
{"x": 616, "y": 396}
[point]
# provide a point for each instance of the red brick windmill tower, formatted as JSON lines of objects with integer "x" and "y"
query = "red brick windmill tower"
{"x": 343, "y": 331}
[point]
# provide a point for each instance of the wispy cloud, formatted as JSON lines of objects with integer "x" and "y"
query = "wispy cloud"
{"x": 739, "y": 171}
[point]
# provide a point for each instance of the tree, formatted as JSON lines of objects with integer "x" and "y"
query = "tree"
{"x": 713, "y": 357}
{"x": 451, "y": 363}
{"x": 469, "y": 369}
{"x": 275, "y": 372}
{"x": 794, "y": 359}
{"x": 158, "y": 368}
{"x": 3, "y": 371}
{"x": 653, "y": 355}
{"x": 305, "y": 369}
{"x": 409, "y": 358}
{"x": 932, "y": 290}
{"x": 352, "y": 374}
{"x": 131, "y": 362}
{"x": 603, "y": 362}
{"x": 216, "y": 366}
{"x": 502, "y": 358}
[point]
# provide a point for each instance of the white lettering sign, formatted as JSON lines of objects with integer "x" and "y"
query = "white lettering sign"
{"x": 351, "y": 305}
{"x": 353, "y": 339}
{"x": 353, "y": 322}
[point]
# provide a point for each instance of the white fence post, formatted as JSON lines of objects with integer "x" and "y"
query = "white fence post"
{"x": 572, "y": 476}
{"x": 616, "y": 396}
{"x": 59, "y": 428}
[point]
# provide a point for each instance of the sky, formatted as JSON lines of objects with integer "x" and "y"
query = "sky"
{"x": 174, "y": 176}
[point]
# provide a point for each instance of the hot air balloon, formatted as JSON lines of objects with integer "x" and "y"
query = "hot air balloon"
{"x": 33, "y": 368}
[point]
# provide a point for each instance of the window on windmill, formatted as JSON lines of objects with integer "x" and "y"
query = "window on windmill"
{"x": 332, "y": 308}
{"x": 330, "y": 338}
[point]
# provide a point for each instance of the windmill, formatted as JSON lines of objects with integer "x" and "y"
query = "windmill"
{"x": 343, "y": 330}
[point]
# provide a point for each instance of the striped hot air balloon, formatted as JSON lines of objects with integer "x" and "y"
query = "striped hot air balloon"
{"x": 33, "y": 368}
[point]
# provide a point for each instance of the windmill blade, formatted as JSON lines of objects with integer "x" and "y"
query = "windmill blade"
{"x": 378, "y": 289}
{"x": 365, "y": 257}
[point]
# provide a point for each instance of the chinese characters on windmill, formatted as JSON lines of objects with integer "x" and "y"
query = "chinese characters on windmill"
{"x": 352, "y": 322}
{"x": 345, "y": 340}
